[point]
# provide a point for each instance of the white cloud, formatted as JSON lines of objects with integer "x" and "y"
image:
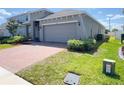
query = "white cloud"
{"x": 117, "y": 17}
{"x": 116, "y": 25}
{"x": 114, "y": 17}
{"x": 15, "y": 13}
{"x": 113, "y": 25}
{"x": 104, "y": 22}
{"x": 4, "y": 12}
{"x": 109, "y": 15}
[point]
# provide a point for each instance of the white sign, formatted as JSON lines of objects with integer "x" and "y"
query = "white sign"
{"x": 108, "y": 68}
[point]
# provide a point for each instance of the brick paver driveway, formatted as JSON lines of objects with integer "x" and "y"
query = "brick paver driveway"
{"x": 17, "y": 58}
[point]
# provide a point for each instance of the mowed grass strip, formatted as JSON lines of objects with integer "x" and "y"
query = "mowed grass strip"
{"x": 52, "y": 70}
{"x": 3, "y": 46}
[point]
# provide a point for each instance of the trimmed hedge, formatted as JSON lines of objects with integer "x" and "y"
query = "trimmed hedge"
{"x": 77, "y": 45}
{"x": 81, "y": 45}
{"x": 13, "y": 40}
{"x": 89, "y": 45}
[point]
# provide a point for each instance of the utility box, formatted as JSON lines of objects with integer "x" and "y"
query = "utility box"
{"x": 122, "y": 38}
{"x": 72, "y": 79}
{"x": 109, "y": 67}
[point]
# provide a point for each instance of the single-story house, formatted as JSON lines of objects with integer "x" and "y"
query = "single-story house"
{"x": 118, "y": 34}
{"x": 67, "y": 24}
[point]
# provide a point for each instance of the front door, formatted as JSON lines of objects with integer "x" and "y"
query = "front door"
{"x": 36, "y": 30}
{"x": 27, "y": 31}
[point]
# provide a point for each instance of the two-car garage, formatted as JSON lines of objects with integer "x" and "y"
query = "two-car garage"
{"x": 59, "y": 32}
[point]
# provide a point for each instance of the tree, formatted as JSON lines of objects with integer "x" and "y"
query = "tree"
{"x": 114, "y": 29}
{"x": 12, "y": 26}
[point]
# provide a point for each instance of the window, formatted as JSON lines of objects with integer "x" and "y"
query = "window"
{"x": 26, "y": 18}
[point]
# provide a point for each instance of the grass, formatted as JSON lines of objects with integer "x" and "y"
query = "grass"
{"x": 53, "y": 69}
{"x": 3, "y": 46}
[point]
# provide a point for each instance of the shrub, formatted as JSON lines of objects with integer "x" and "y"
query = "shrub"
{"x": 89, "y": 44}
{"x": 99, "y": 37}
{"x": 75, "y": 45}
{"x": 91, "y": 41}
{"x": 81, "y": 45}
{"x": 15, "y": 39}
{"x": 3, "y": 37}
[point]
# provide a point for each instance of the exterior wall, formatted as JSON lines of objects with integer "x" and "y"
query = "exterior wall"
{"x": 21, "y": 18}
{"x": 22, "y": 30}
{"x": 92, "y": 27}
{"x": 38, "y": 15}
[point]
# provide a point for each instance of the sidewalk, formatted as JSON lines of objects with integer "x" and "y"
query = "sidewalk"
{"x": 9, "y": 78}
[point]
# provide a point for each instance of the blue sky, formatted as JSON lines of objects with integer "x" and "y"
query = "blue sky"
{"x": 100, "y": 14}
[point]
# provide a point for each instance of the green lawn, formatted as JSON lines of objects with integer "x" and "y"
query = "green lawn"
{"x": 3, "y": 46}
{"x": 53, "y": 69}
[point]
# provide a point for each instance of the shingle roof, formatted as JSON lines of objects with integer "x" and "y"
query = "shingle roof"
{"x": 67, "y": 13}
{"x": 63, "y": 13}
{"x": 43, "y": 9}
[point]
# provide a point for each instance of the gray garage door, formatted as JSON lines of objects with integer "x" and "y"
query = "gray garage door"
{"x": 60, "y": 32}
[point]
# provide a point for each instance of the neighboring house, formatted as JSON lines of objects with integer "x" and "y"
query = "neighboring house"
{"x": 26, "y": 20}
{"x": 67, "y": 24}
{"x": 117, "y": 34}
{"x": 4, "y": 31}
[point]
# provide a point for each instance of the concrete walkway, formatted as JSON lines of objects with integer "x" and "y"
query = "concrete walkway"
{"x": 16, "y": 58}
{"x": 7, "y": 77}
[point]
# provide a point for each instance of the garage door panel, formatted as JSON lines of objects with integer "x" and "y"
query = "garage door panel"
{"x": 60, "y": 32}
